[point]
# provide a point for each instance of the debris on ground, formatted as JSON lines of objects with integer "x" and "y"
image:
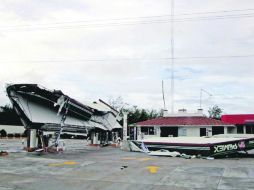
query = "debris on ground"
{"x": 3, "y": 153}
{"x": 124, "y": 167}
{"x": 210, "y": 158}
{"x": 163, "y": 152}
{"x": 186, "y": 156}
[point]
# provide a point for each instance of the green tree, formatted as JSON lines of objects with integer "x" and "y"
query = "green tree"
{"x": 3, "y": 133}
{"x": 8, "y": 116}
{"x": 135, "y": 114}
{"x": 215, "y": 112}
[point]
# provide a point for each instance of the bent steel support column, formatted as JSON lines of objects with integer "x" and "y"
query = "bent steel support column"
{"x": 33, "y": 138}
{"x": 125, "y": 125}
{"x": 95, "y": 138}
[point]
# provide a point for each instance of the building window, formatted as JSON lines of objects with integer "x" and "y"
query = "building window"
{"x": 249, "y": 129}
{"x": 151, "y": 130}
{"x": 169, "y": 131}
{"x": 147, "y": 130}
{"x": 239, "y": 129}
{"x": 217, "y": 130}
{"x": 182, "y": 132}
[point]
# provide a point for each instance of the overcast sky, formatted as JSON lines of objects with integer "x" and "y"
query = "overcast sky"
{"x": 94, "y": 49}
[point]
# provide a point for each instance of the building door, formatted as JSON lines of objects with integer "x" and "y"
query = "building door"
{"x": 202, "y": 132}
{"x": 169, "y": 131}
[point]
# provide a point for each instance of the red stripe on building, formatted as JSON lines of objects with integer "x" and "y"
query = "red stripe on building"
{"x": 239, "y": 119}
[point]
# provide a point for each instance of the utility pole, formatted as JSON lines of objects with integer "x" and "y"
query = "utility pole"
{"x": 172, "y": 57}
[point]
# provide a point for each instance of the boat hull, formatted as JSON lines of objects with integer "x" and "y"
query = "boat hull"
{"x": 200, "y": 145}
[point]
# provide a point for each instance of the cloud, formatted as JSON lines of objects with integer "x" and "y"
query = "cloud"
{"x": 73, "y": 46}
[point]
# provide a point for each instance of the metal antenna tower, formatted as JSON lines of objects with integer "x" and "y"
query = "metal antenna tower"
{"x": 201, "y": 93}
{"x": 163, "y": 95}
{"x": 172, "y": 57}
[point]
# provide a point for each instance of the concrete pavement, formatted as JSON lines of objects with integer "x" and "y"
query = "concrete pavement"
{"x": 85, "y": 167}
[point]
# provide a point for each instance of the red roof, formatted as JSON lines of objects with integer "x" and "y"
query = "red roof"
{"x": 176, "y": 121}
{"x": 238, "y": 119}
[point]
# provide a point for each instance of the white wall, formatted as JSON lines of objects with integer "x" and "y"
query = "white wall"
{"x": 193, "y": 131}
{"x": 139, "y": 135}
{"x": 157, "y": 131}
{"x": 11, "y": 129}
{"x": 190, "y": 131}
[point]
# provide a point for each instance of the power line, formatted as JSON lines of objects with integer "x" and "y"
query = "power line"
{"x": 217, "y": 57}
{"x": 139, "y": 17}
{"x": 127, "y": 22}
{"x": 92, "y": 21}
{"x": 214, "y": 12}
{"x": 129, "y": 59}
{"x": 86, "y": 25}
{"x": 216, "y": 17}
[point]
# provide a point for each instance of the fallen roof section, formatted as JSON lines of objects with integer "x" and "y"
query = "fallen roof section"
{"x": 40, "y": 108}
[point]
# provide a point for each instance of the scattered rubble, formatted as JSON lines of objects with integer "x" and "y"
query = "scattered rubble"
{"x": 3, "y": 153}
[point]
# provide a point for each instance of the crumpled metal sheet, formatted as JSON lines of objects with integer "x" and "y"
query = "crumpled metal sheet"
{"x": 41, "y": 108}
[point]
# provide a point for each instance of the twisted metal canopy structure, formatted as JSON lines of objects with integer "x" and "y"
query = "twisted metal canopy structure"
{"x": 43, "y": 109}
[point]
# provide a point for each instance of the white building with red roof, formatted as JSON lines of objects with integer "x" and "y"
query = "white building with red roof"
{"x": 181, "y": 124}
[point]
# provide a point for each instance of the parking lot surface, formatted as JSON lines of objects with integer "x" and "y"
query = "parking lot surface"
{"x": 85, "y": 167}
